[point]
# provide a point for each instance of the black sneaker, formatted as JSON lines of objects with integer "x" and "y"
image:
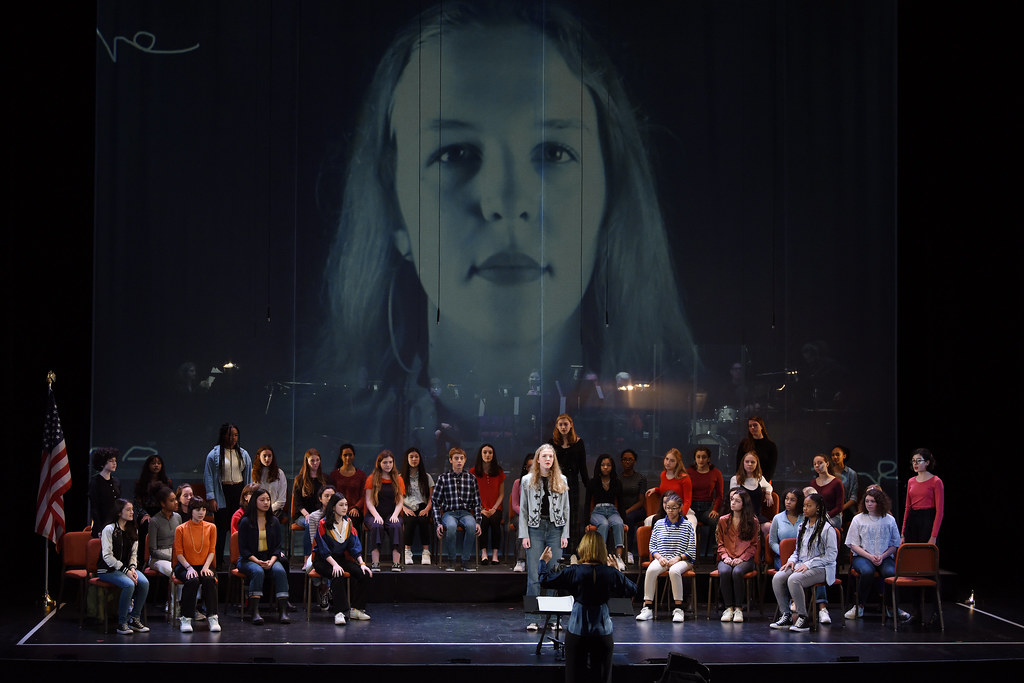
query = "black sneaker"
{"x": 785, "y": 621}
{"x": 135, "y": 624}
{"x": 325, "y": 600}
{"x": 802, "y": 625}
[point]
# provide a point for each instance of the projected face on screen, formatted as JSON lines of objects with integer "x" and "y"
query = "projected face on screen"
{"x": 492, "y": 168}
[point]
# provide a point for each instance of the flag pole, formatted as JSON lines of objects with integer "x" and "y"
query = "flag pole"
{"x": 48, "y": 602}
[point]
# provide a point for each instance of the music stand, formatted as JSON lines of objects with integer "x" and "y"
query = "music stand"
{"x": 616, "y": 607}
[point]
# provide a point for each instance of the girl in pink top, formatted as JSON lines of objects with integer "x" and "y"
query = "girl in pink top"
{"x": 922, "y": 515}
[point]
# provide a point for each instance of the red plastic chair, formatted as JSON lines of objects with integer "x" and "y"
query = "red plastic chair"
{"x": 917, "y": 566}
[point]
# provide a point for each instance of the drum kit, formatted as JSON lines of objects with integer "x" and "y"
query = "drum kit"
{"x": 719, "y": 430}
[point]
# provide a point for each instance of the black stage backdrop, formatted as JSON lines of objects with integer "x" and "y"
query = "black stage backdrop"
{"x": 778, "y": 168}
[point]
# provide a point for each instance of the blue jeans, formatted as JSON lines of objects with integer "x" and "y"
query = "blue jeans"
{"x": 544, "y": 535}
{"x": 605, "y": 515}
{"x": 129, "y": 591}
{"x": 307, "y": 542}
{"x": 257, "y": 575}
{"x": 451, "y": 521}
{"x": 867, "y": 570}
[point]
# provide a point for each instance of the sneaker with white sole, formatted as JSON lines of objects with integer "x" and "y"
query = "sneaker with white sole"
{"x": 678, "y": 616}
{"x": 408, "y": 556}
{"x": 135, "y": 624}
{"x": 737, "y": 616}
{"x": 824, "y": 618}
{"x": 629, "y": 558}
{"x": 186, "y": 625}
{"x": 425, "y": 557}
{"x": 728, "y": 614}
{"x": 801, "y": 625}
{"x": 214, "y": 623}
{"x": 784, "y": 622}
{"x": 358, "y": 615}
{"x": 855, "y": 612}
{"x": 532, "y": 626}
{"x": 520, "y": 567}
{"x": 620, "y": 563}
{"x": 339, "y": 619}
{"x": 645, "y": 614}
{"x": 124, "y": 630}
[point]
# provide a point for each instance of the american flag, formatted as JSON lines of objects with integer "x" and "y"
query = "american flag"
{"x": 54, "y": 477}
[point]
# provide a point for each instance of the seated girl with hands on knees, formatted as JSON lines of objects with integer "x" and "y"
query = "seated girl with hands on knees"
{"x": 873, "y": 539}
{"x": 419, "y": 487}
{"x": 195, "y": 543}
{"x": 490, "y": 480}
{"x": 739, "y": 540}
{"x": 338, "y": 550}
{"x": 260, "y": 554}
{"x": 673, "y": 549}
{"x": 812, "y": 562}
{"x": 385, "y": 490}
{"x": 161, "y": 533}
{"x": 604, "y": 495}
{"x": 118, "y": 565}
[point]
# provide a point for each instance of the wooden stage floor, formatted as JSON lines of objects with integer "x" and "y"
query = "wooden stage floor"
{"x": 453, "y": 640}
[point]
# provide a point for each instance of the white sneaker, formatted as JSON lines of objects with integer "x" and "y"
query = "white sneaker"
{"x": 425, "y": 558}
{"x": 520, "y": 566}
{"x": 823, "y": 616}
{"x": 678, "y": 616}
{"x": 358, "y": 615}
{"x": 622, "y": 565}
{"x": 339, "y": 619}
{"x": 645, "y": 614}
{"x": 408, "y": 555}
{"x": 737, "y": 616}
{"x": 629, "y": 558}
{"x": 531, "y": 626}
{"x": 573, "y": 559}
{"x": 728, "y": 614}
{"x": 855, "y": 612}
{"x": 186, "y": 625}
{"x": 214, "y": 623}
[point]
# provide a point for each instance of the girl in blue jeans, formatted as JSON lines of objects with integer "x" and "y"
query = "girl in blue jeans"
{"x": 873, "y": 539}
{"x": 543, "y": 516}
{"x": 118, "y": 565}
{"x": 260, "y": 556}
{"x": 604, "y": 492}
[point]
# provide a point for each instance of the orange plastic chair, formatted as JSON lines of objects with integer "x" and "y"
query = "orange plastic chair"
{"x": 74, "y": 546}
{"x": 917, "y": 566}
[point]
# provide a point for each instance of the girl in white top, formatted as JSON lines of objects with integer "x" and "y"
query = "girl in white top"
{"x": 873, "y": 538}
{"x": 267, "y": 473}
{"x": 758, "y": 488}
{"x": 417, "y": 504}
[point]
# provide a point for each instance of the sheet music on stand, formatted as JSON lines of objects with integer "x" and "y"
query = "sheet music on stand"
{"x": 553, "y": 604}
